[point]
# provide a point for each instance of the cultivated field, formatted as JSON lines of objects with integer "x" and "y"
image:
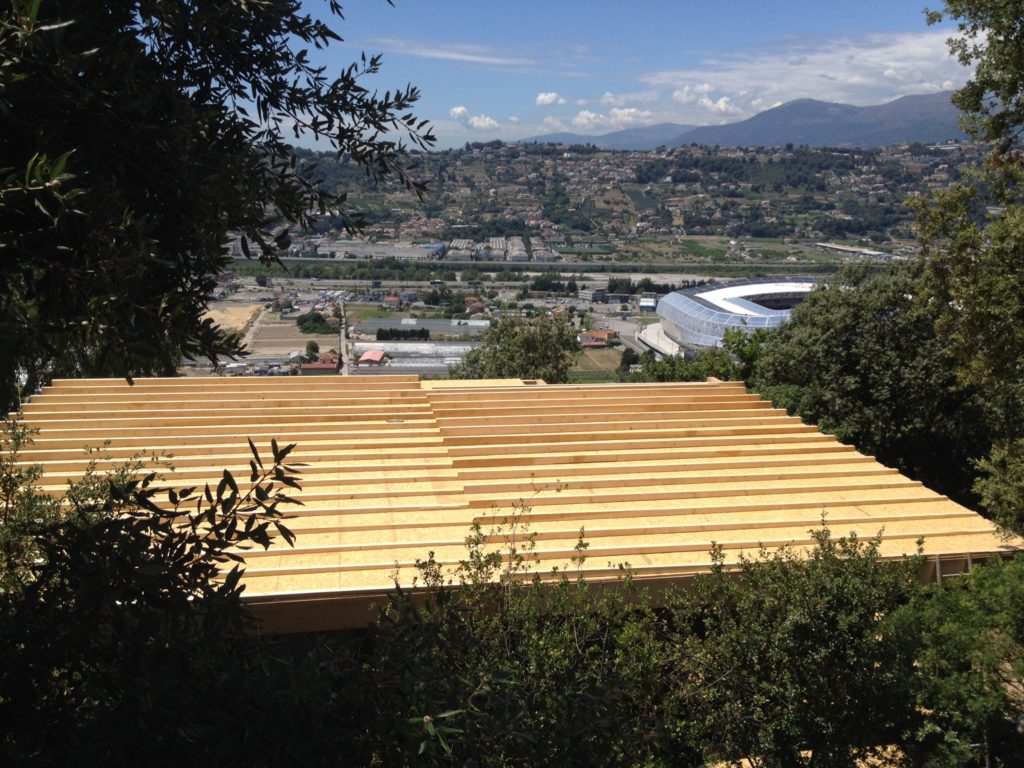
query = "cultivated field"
{"x": 598, "y": 360}
{"x": 279, "y": 337}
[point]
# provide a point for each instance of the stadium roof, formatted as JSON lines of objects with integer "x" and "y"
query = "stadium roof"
{"x": 397, "y": 468}
{"x": 699, "y": 316}
{"x": 724, "y": 297}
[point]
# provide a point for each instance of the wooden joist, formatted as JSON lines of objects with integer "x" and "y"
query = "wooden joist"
{"x": 394, "y": 468}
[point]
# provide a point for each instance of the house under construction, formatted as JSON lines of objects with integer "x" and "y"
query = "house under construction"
{"x": 396, "y": 468}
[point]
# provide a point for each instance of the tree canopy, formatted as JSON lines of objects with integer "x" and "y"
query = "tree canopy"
{"x": 136, "y": 138}
{"x": 516, "y": 348}
{"x": 861, "y": 358}
{"x": 972, "y": 239}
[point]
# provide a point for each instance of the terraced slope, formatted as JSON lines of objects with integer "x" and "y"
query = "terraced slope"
{"x": 396, "y": 468}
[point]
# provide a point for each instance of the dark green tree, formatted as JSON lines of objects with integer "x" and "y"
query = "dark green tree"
{"x": 135, "y": 138}
{"x": 629, "y": 358}
{"x": 969, "y": 667}
{"x": 791, "y": 662}
{"x": 540, "y": 348}
{"x": 862, "y": 359}
{"x": 708, "y": 362}
{"x": 120, "y": 611}
{"x": 314, "y": 322}
{"x": 492, "y": 667}
{"x": 972, "y": 238}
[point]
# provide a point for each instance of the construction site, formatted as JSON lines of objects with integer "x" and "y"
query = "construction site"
{"x": 394, "y": 468}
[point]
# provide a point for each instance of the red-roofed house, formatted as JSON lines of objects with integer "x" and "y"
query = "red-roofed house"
{"x": 596, "y": 339}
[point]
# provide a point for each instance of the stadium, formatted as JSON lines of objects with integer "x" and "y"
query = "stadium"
{"x": 700, "y": 316}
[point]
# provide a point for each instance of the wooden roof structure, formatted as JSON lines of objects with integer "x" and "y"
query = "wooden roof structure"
{"x": 396, "y": 468}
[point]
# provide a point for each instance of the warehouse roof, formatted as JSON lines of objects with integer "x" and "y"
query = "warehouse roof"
{"x": 395, "y": 469}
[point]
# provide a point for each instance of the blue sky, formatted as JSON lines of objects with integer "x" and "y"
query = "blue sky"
{"x": 491, "y": 69}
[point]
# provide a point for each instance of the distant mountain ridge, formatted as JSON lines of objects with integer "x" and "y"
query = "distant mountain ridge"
{"x": 647, "y": 137}
{"x": 925, "y": 118}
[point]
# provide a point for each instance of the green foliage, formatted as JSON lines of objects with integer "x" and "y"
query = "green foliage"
{"x": 800, "y": 170}
{"x": 629, "y": 359}
{"x": 991, "y": 38}
{"x": 540, "y": 348}
{"x": 113, "y": 219}
{"x": 312, "y": 351}
{"x": 974, "y": 273}
{"x": 746, "y": 349}
{"x": 792, "y": 661}
{"x": 716, "y": 363}
{"x": 646, "y": 285}
{"x": 1000, "y": 485}
{"x": 119, "y": 608}
{"x": 314, "y": 322}
{"x": 969, "y": 667}
{"x": 403, "y": 334}
{"x": 861, "y": 358}
{"x": 972, "y": 239}
{"x": 522, "y": 672}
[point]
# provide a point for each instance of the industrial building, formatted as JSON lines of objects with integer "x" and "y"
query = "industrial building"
{"x": 394, "y": 468}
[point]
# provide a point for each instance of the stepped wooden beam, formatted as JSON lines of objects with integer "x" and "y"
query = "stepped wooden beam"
{"x": 395, "y": 468}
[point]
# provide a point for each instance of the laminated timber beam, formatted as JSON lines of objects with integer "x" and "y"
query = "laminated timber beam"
{"x": 394, "y": 468}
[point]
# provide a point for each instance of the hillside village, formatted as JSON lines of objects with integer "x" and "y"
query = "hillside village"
{"x": 544, "y": 203}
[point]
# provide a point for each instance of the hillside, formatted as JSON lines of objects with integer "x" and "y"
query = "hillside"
{"x": 927, "y": 118}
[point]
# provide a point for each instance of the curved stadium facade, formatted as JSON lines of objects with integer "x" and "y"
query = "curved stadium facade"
{"x": 700, "y": 316}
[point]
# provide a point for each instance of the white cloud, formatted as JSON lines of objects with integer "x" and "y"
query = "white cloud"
{"x": 546, "y": 99}
{"x": 483, "y": 123}
{"x": 690, "y": 94}
{"x": 869, "y": 69}
{"x": 513, "y": 119}
{"x": 616, "y": 119}
{"x": 586, "y": 120}
{"x": 462, "y": 52}
{"x": 626, "y": 118}
{"x": 473, "y": 122}
{"x": 609, "y": 99}
{"x": 723, "y": 106}
{"x": 553, "y": 124}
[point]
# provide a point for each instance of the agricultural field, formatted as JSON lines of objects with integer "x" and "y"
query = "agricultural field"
{"x": 594, "y": 366}
{"x": 276, "y": 336}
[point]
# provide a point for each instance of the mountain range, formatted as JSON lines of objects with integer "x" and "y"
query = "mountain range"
{"x": 924, "y": 118}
